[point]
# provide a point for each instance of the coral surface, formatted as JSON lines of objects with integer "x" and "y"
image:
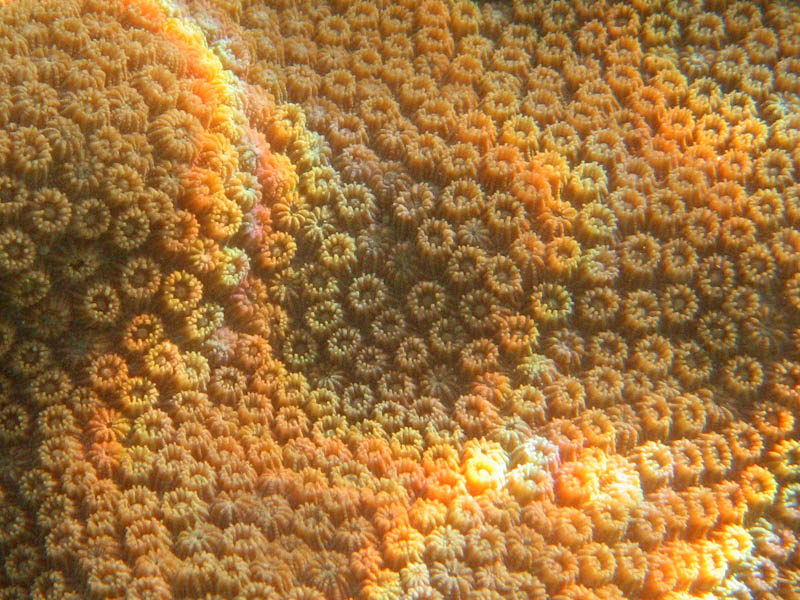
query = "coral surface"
{"x": 410, "y": 299}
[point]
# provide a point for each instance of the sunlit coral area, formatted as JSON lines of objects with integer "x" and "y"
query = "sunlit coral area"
{"x": 383, "y": 300}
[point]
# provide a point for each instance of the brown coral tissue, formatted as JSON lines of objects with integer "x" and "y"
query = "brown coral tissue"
{"x": 399, "y": 299}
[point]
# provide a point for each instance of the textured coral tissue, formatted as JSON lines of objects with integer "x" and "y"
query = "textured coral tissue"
{"x": 399, "y": 300}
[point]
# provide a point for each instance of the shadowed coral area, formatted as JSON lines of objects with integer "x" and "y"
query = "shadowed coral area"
{"x": 382, "y": 300}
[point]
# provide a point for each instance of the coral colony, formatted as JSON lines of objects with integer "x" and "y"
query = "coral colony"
{"x": 399, "y": 300}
